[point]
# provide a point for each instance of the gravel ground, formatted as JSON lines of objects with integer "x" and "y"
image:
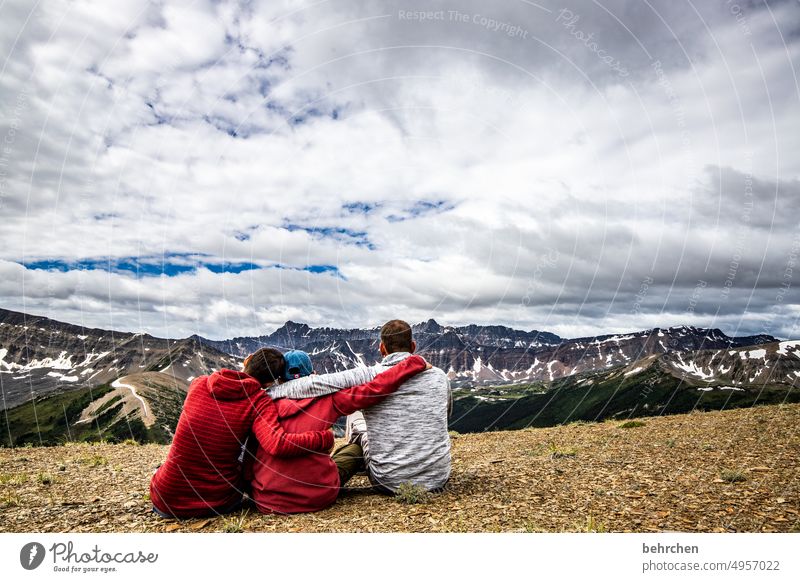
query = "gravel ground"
{"x": 709, "y": 472}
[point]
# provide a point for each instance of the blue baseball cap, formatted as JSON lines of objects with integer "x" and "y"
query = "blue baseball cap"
{"x": 298, "y": 364}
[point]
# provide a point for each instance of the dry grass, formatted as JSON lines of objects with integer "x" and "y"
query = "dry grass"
{"x": 633, "y": 424}
{"x": 733, "y": 476}
{"x": 620, "y": 480}
{"x": 411, "y": 494}
{"x": 93, "y": 460}
{"x": 559, "y": 452}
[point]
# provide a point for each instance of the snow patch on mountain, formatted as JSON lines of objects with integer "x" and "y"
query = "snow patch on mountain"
{"x": 62, "y": 377}
{"x": 692, "y": 368}
{"x": 62, "y": 362}
{"x": 784, "y": 347}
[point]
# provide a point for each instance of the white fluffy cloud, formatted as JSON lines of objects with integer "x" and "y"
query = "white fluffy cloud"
{"x": 375, "y": 164}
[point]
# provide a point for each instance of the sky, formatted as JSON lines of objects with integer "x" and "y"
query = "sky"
{"x": 576, "y": 167}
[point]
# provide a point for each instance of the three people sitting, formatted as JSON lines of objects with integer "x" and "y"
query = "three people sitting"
{"x": 265, "y": 432}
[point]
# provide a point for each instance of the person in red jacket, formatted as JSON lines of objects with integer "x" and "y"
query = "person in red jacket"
{"x": 203, "y": 471}
{"x": 311, "y": 482}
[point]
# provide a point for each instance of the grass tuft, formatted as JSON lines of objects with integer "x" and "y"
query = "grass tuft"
{"x": 13, "y": 478}
{"x": 234, "y": 523}
{"x": 93, "y": 461}
{"x": 411, "y": 494}
{"x": 592, "y": 525}
{"x": 733, "y": 476}
{"x": 555, "y": 451}
{"x": 632, "y": 424}
{"x": 9, "y": 499}
{"x": 45, "y": 479}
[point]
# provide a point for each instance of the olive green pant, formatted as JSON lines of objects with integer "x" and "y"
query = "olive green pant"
{"x": 349, "y": 460}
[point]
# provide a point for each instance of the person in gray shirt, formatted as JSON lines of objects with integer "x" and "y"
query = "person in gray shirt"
{"x": 403, "y": 439}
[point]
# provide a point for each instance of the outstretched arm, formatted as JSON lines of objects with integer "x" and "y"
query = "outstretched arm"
{"x": 322, "y": 384}
{"x": 351, "y": 399}
{"x": 276, "y": 441}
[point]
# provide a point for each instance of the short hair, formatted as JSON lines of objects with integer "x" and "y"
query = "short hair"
{"x": 265, "y": 365}
{"x": 396, "y": 336}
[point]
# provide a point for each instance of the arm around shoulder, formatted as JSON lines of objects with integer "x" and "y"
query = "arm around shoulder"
{"x": 366, "y": 395}
{"x": 276, "y": 441}
{"x": 323, "y": 384}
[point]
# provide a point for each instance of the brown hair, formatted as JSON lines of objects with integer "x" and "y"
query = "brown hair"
{"x": 265, "y": 365}
{"x": 396, "y": 336}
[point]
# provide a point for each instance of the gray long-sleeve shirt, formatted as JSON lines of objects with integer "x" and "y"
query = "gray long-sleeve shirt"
{"x": 407, "y": 432}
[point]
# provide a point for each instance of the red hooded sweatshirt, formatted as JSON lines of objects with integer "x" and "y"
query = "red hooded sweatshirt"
{"x": 311, "y": 482}
{"x": 202, "y": 473}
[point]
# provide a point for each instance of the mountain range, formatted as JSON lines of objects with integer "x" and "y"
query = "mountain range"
{"x": 491, "y": 354}
{"x": 92, "y": 383}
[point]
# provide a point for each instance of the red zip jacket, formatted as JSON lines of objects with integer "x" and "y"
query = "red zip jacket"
{"x": 202, "y": 473}
{"x": 311, "y": 482}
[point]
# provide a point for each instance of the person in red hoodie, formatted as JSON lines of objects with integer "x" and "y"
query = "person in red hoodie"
{"x": 203, "y": 471}
{"x": 311, "y": 482}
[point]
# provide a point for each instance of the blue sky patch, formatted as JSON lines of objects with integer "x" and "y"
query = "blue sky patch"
{"x": 170, "y": 264}
{"x": 324, "y": 269}
{"x": 361, "y": 207}
{"x": 338, "y": 233}
{"x": 315, "y": 269}
{"x": 422, "y": 208}
{"x": 231, "y": 267}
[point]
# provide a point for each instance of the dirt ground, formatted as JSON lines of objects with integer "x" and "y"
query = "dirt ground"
{"x": 708, "y": 472}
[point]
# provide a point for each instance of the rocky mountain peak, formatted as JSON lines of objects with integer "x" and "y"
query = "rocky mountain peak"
{"x": 430, "y": 326}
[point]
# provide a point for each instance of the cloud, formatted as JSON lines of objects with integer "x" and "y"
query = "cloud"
{"x": 220, "y": 167}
